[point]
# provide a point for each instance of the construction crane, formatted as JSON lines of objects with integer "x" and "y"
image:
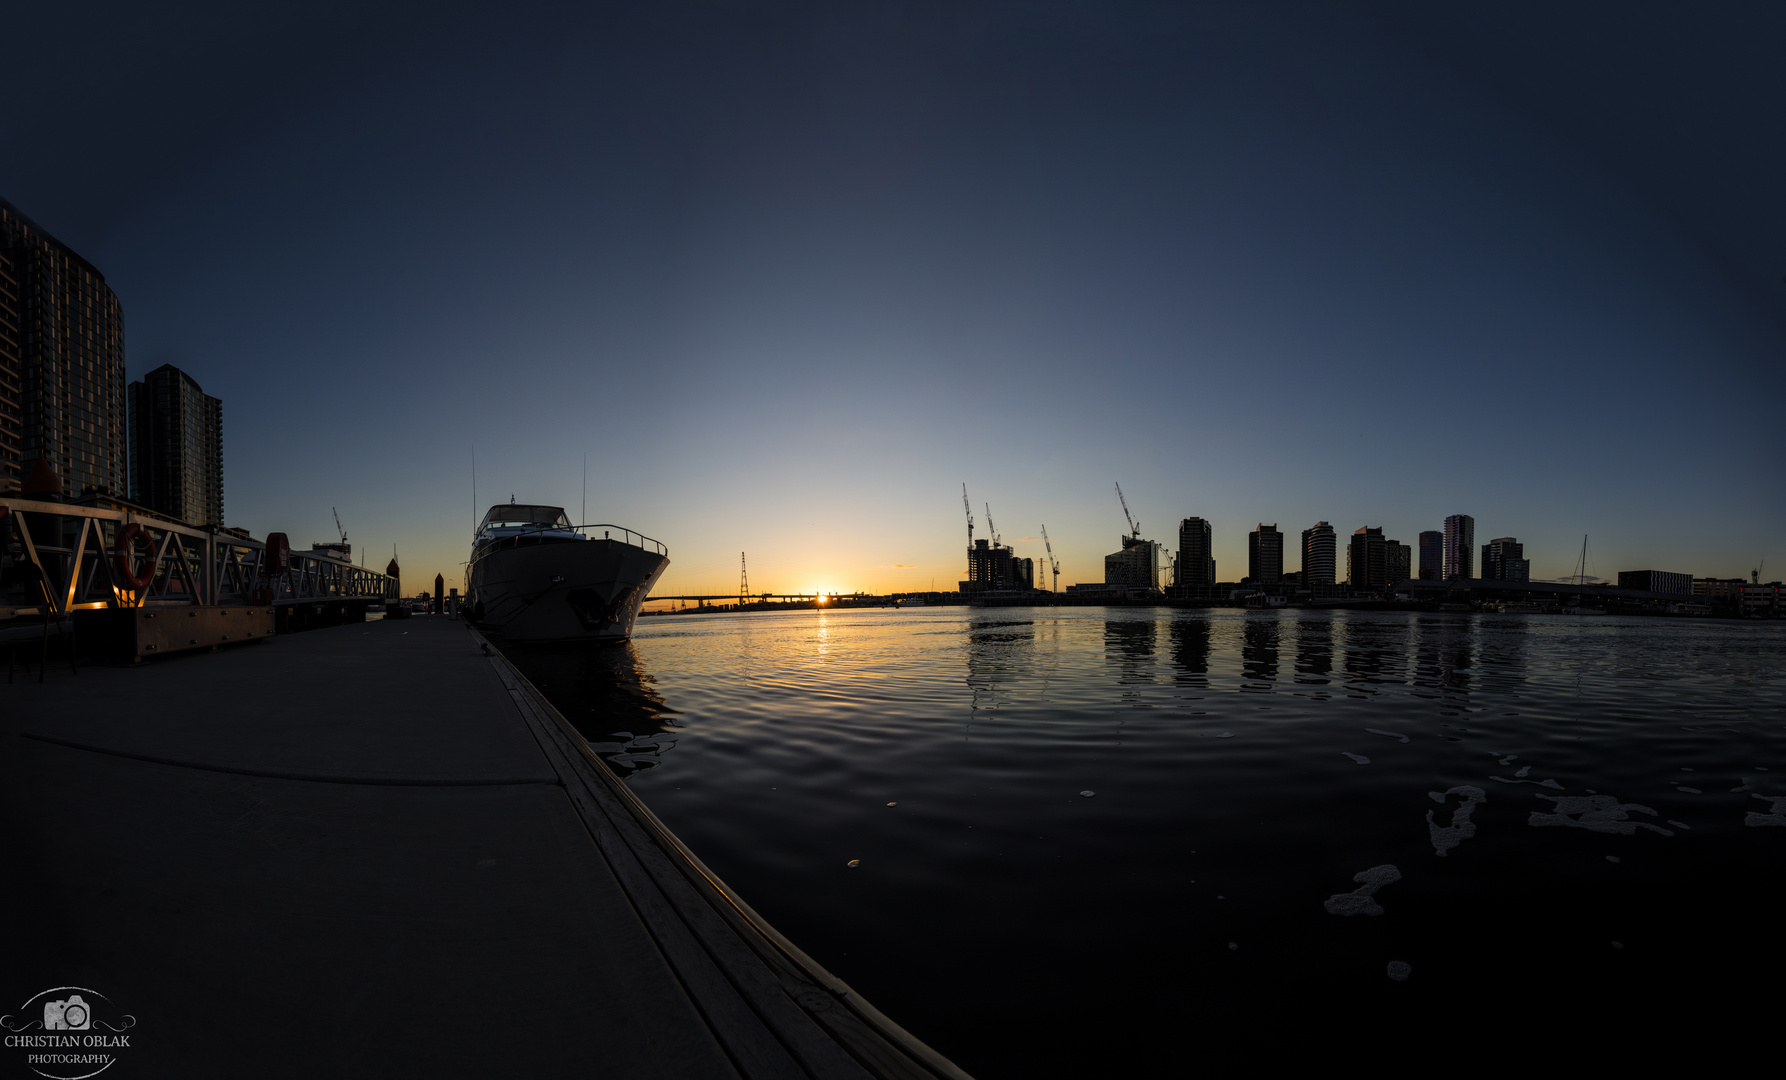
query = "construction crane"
{"x": 1052, "y": 561}
{"x": 1134, "y": 526}
{"x": 338, "y": 527}
{"x": 969, "y": 507}
{"x": 1755, "y": 574}
{"x": 990, "y": 527}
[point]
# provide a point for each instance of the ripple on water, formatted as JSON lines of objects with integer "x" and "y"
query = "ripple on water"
{"x": 984, "y": 729}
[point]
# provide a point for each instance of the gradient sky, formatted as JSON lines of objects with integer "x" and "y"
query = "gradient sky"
{"x": 790, "y": 275}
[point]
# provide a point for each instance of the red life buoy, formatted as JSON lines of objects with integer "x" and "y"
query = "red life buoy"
{"x": 124, "y": 550}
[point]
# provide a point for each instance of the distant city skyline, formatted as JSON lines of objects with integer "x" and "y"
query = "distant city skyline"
{"x": 1258, "y": 263}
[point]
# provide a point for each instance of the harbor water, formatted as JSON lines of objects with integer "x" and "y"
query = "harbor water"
{"x": 1130, "y": 841}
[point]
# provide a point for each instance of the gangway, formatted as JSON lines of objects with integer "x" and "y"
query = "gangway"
{"x": 64, "y": 558}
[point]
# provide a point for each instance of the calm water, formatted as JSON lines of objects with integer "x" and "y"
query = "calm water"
{"x": 1589, "y": 782}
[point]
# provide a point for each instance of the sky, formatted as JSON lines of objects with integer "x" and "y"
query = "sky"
{"x": 788, "y": 276}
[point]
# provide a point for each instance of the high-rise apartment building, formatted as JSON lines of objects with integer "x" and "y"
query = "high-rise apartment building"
{"x": 176, "y": 447}
{"x": 992, "y": 566}
{"x": 1265, "y": 555}
{"x": 1504, "y": 559}
{"x": 1432, "y": 555}
{"x": 1135, "y": 566}
{"x": 10, "y": 416}
{"x": 1396, "y": 557}
{"x": 69, "y": 407}
{"x": 1367, "y": 559}
{"x": 1460, "y": 546}
{"x": 1196, "y": 553}
{"x": 1320, "y": 555}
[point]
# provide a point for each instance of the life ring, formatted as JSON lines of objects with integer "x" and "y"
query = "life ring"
{"x": 125, "y": 549}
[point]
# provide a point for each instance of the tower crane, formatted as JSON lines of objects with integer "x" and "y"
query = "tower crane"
{"x": 969, "y": 507}
{"x": 1052, "y": 561}
{"x": 990, "y": 527}
{"x": 1134, "y": 526}
{"x": 338, "y": 527}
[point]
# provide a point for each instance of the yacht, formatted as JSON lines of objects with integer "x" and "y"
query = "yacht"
{"x": 533, "y": 576}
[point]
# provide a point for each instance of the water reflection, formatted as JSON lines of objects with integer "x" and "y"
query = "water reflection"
{"x": 1190, "y": 650}
{"x": 1444, "y": 654}
{"x": 1129, "y": 646}
{"x": 1314, "y": 650}
{"x": 607, "y": 695}
{"x": 998, "y": 650}
{"x": 1258, "y": 651}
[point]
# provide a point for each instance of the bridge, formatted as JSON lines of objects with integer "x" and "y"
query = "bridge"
{"x": 170, "y": 586}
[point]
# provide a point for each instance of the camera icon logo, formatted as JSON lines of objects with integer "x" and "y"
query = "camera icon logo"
{"x": 70, "y": 1014}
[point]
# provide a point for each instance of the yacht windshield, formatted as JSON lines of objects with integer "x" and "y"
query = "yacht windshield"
{"x": 512, "y": 517}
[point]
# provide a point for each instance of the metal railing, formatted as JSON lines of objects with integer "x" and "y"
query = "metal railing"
{"x": 638, "y": 540}
{"x": 61, "y": 557}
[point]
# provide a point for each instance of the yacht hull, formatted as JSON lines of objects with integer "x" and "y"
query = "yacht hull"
{"x": 578, "y": 590}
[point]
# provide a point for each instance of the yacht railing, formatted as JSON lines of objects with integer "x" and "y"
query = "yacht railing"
{"x": 636, "y": 539}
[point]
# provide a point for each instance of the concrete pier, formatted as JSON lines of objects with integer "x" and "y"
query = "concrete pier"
{"x": 376, "y": 850}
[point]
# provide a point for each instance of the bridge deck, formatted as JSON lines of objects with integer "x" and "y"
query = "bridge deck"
{"x": 371, "y": 850}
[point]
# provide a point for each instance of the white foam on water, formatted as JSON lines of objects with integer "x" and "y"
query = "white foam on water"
{"x": 1087, "y": 794}
{"x": 1399, "y": 970}
{"x": 1524, "y": 769}
{"x": 1359, "y": 758}
{"x": 1508, "y": 760}
{"x": 1360, "y": 901}
{"x": 1446, "y": 837}
{"x": 1776, "y": 803}
{"x": 1599, "y": 813}
{"x": 1680, "y": 825}
{"x": 1387, "y": 734}
{"x": 1225, "y": 735}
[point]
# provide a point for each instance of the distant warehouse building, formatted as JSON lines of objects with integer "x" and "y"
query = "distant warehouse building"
{"x": 1659, "y": 581}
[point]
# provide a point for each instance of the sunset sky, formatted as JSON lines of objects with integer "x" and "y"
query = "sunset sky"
{"x": 789, "y": 276}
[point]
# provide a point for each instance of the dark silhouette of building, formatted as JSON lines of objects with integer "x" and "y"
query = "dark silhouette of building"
{"x": 1396, "y": 559}
{"x": 1460, "y": 546}
{"x": 1196, "y": 553}
{"x": 1367, "y": 559}
{"x": 1320, "y": 555}
{"x": 1136, "y": 565}
{"x": 1656, "y": 581}
{"x": 11, "y": 469}
{"x": 992, "y": 566}
{"x": 1265, "y": 555}
{"x": 176, "y": 447}
{"x": 1504, "y": 559}
{"x": 1432, "y": 555}
{"x": 68, "y": 408}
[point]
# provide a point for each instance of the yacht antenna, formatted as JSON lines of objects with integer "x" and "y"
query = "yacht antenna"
{"x": 584, "y": 517}
{"x": 474, "y": 486}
